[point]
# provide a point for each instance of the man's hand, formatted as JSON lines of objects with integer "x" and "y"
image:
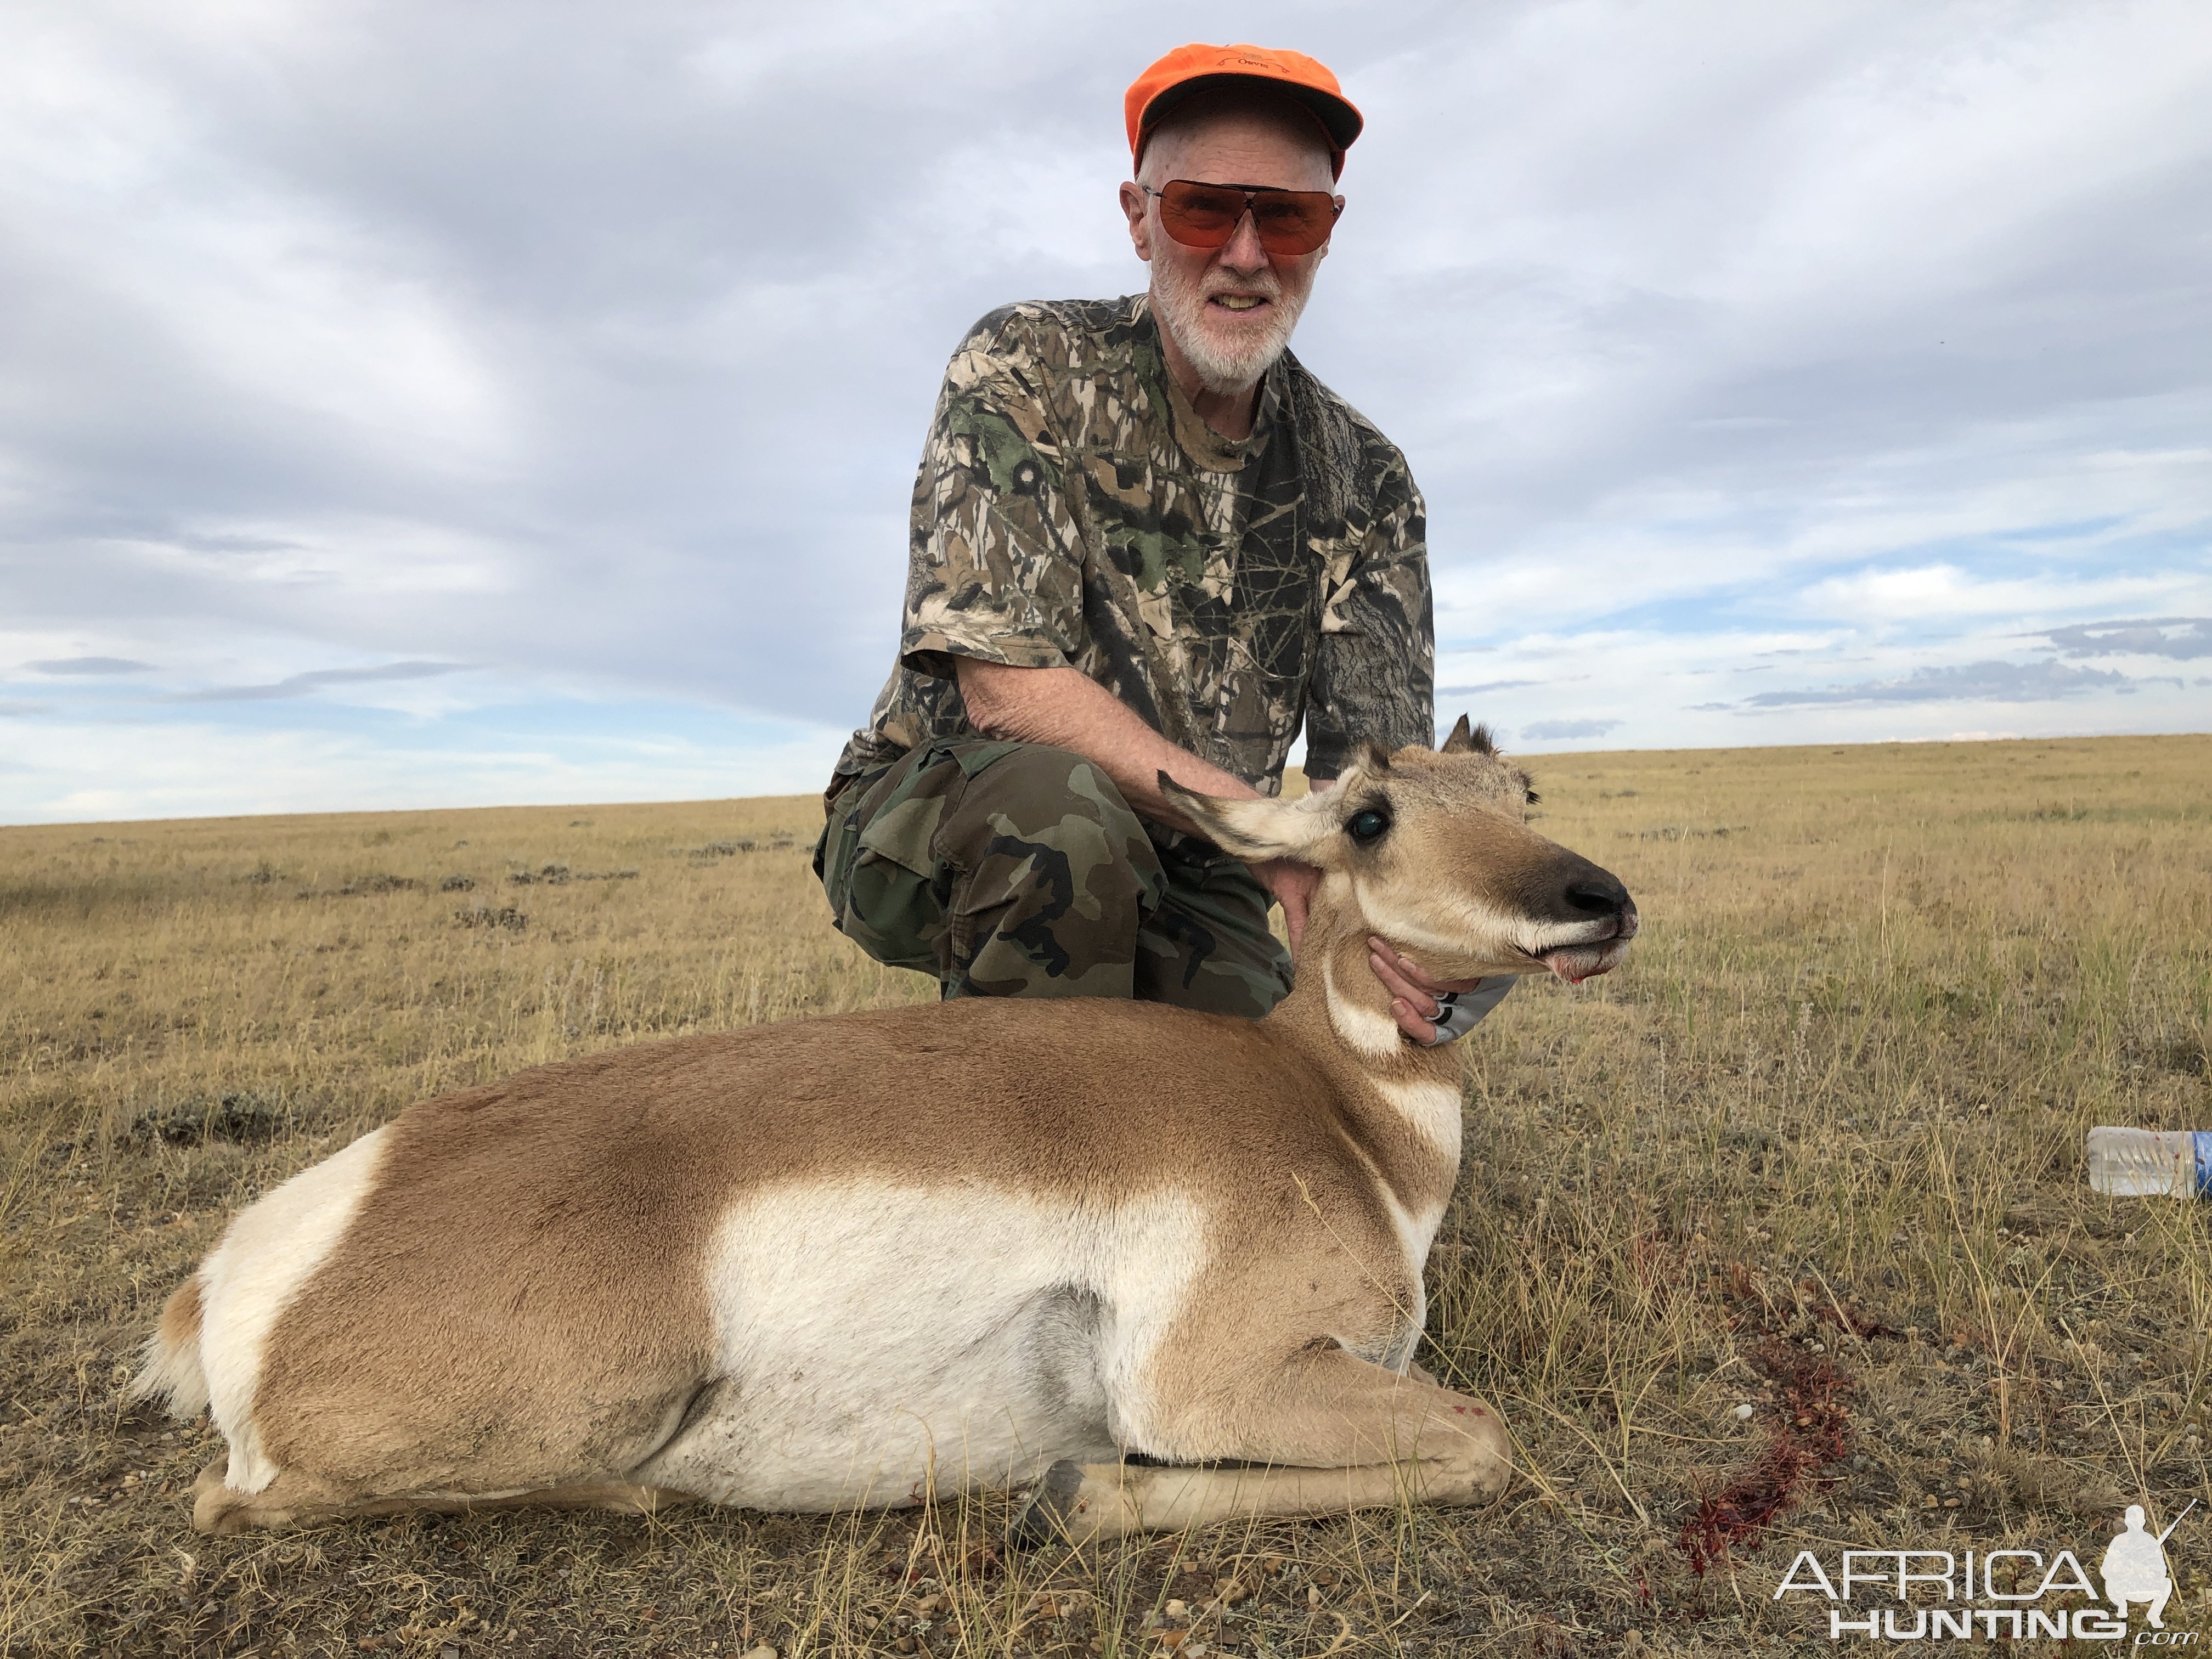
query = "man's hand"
{"x": 1292, "y": 885}
{"x": 1413, "y": 1002}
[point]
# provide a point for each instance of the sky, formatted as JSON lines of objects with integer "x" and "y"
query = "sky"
{"x": 404, "y": 405}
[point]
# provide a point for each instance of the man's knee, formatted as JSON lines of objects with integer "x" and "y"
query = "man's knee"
{"x": 1035, "y": 789}
{"x": 1053, "y": 874}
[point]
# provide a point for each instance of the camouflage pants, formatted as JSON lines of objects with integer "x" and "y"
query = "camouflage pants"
{"x": 1015, "y": 869}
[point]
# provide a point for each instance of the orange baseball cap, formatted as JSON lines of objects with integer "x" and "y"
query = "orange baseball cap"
{"x": 1191, "y": 70}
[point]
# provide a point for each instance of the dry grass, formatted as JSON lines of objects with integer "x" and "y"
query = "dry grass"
{"x": 1839, "y": 1089}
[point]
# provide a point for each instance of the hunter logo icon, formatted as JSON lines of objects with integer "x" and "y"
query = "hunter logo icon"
{"x": 1993, "y": 1593}
{"x": 2134, "y": 1567}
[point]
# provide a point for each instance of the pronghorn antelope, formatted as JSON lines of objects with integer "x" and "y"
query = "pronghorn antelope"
{"x": 1163, "y": 1266}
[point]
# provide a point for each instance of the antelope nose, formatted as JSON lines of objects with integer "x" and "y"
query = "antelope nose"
{"x": 1598, "y": 894}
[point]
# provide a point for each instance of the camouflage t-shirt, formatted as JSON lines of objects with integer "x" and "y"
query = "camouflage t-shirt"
{"x": 1074, "y": 509}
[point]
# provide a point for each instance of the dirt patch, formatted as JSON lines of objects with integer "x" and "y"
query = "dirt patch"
{"x": 245, "y": 1118}
{"x": 484, "y": 915}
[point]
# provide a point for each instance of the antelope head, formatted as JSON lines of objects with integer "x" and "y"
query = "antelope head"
{"x": 1432, "y": 849}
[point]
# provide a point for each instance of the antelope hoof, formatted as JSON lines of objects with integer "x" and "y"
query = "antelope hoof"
{"x": 1070, "y": 1506}
{"x": 217, "y": 1510}
{"x": 1044, "y": 1516}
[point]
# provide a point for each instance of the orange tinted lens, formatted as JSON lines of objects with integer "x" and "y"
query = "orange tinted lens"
{"x": 1293, "y": 221}
{"x": 1199, "y": 217}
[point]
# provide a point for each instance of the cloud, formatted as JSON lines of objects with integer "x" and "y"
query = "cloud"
{"x": 1924, "y": 593}
{"x": 17, "y": 710}
{"x": 1547, "y": 729}
{"x": 90, "y": 665}
{"x": 1979, "y": 682}
{"x": 1487, "y": 685}
{"x": 2182, "y": 638}
{"x": 298, "y": 685}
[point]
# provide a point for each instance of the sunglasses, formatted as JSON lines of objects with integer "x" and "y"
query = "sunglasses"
{"x": 1289, "y": 221}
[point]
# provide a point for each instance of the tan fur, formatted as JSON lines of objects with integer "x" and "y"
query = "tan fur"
{"x": 522, "y": 1309}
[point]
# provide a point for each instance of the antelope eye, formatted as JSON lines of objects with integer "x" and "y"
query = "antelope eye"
{"x": 1532, "y": 797}
{"x": 1367, "y": 826}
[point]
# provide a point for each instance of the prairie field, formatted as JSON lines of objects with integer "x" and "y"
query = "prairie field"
{"x": 1777, "y": 1239}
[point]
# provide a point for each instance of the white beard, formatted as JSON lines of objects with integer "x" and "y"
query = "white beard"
{"x": 1223, "y": 367}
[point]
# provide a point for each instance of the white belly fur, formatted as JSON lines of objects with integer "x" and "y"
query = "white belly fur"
{"x": 878, "y": 1341}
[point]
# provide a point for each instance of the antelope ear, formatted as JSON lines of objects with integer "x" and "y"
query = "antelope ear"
{"x": 1466, "y": 740}
{"x": 1256, "y": 830}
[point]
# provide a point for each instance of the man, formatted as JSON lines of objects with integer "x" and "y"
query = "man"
{"x": 1145, "y": 539}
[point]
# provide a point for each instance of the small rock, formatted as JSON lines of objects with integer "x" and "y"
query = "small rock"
{"x": 763, "y": 1651}
{"x": 1742, "y": 1413}
{"x": 1177, "y": 1609}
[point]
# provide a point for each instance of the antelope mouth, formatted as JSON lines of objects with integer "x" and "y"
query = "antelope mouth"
{"x": 1602, "y": 948}
{"x": 1585, "y": 962}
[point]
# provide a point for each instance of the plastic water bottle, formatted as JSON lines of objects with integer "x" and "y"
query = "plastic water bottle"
{"x": 2145, "y": 1163}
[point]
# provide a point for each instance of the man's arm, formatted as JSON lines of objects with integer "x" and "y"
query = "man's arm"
{"x": 1067, "y": 708}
